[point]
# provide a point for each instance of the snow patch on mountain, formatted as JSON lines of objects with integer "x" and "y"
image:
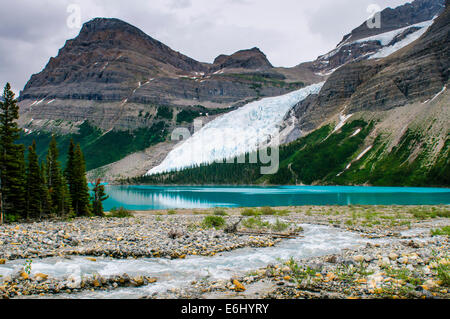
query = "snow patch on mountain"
{"x": 384, "y": 39}
{"x": 387, "y": 37}
{"x": 388, "y": 50}
{"x": 244, "y": 130}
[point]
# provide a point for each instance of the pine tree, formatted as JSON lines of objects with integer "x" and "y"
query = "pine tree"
{"x": 57, "y": 187}
{"x": 34, "y": 187}
{"x": 98, "y": 197}
{"x": 12, "y": 162}
{"x": 69, "y": 172}
{"x": 76, "y": 177}
{"x": 45, "y": 208}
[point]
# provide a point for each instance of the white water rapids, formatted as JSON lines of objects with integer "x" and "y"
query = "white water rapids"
{"x": 315, "y": 241}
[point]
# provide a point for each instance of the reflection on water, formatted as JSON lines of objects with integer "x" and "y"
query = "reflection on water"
{"x": 136, "y": 197}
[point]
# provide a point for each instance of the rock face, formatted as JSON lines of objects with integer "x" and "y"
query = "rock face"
{"x": 108, "y": 53}
{"x": 246, "y": 59}
{"x": 396, "y": 26}
{"x": 415, "y": 73}
{"x": 400, "y": 17}
{"x": 112, "y": 71}
{"x": 117, "y": 78}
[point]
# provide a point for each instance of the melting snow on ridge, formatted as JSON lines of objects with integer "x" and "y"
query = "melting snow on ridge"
{"x": 235, "y": 133}
{"x": 386, "y": 51}
{"x": 385, "y": 39}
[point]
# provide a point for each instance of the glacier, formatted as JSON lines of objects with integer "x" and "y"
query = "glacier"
{"x": 246, "y": 129}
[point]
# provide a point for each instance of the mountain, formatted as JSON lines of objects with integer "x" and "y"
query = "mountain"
{"x": 112, "y": 72}
{"x": 378, "y": 122}
{"x": 115, "y": 84}
{"x": 246, "y": 59}
{"x": 398, "y": 28}
{"x": 119, "y": 93}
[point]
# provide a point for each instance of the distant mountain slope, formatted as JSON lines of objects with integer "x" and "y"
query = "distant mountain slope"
{"x": 376, "y": 122}
{"x": 398, "y": 27}
{"x": 120, "y": 92}
{"x": 112, "y": 71}
{"x": 415, "y": 73}
{"x": 121, "y": 82}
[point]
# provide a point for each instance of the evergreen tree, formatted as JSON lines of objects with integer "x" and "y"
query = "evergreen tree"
{"x": 45, "y": 207}
{"x": 57, "y": 187}
{"x": 76, "y": 177}
{"x": 69, "y": 172}
{"x": 34, "y": 187}
{"x": 98, "y": 197}
{"x": 12, "y": 162}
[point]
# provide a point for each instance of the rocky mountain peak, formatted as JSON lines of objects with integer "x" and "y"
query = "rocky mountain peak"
{"x": 103, "y": 24}
{"x": 247, "y": 59}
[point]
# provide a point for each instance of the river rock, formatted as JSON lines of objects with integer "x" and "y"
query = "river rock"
{"x": 40, "y": 277}
{"x": 238, "y": 287}
{"x": 393, "y": 256}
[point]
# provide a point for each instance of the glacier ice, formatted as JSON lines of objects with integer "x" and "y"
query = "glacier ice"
{"x": 235, "y": 133}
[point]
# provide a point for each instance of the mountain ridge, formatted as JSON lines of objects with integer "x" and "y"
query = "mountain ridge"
{"x": 107, "y": 86}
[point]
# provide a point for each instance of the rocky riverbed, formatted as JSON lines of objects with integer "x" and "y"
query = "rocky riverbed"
{"x": 406, "y": 254}
{"x": 142, "y": 236}
{"x": 404, "y": 269}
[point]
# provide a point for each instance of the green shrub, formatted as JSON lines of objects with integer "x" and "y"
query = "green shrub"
{"x": 283, "y": 212}
{"x": 422, "y": 213}
{"x": 120, "y": 213}
{"x": 255, "y": 222}
{"x": 220, "y": 212}
{"x": 443, "y": 273}
{"x": 187, "y": 116}
{"x": 11, "y": 218}
{"x": 267, "y": 210}
{"x": 444, "y": 231}
{"x": 164, "y": 112}
{"x": 279, "y": 225}
{"x": 213, "y": 221}
{"x": 172, "y": 212}
{"x": 250, "y": 212}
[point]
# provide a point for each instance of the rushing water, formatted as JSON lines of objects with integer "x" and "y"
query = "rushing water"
{"x": 316, "y": 241}
{"x": 135, "y": 197}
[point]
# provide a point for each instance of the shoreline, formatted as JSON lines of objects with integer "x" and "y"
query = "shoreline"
{"x": 178, "y": 234}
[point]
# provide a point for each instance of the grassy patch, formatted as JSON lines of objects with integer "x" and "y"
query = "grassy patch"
{"x": 220, "y": 212}
{"x": 250, "y": 212}
{"x": 279, "y": 226}
{"x": 444, "y": 231}
{"x": 267, "y": 210}
{"x": 120, "y": 213}
{"x": 213, "y": 221}
{"x": 255, "y": 222}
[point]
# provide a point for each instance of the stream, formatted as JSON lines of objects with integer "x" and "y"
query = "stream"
{"x": 315, "y": 241}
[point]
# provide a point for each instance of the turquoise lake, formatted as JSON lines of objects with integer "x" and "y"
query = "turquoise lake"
{"x": 134, "y": 197}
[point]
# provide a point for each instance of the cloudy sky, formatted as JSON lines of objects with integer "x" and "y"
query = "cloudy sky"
{"x": 287, "y": 31}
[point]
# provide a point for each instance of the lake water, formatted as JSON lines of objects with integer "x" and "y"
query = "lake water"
{"x": 139, "y": 197}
